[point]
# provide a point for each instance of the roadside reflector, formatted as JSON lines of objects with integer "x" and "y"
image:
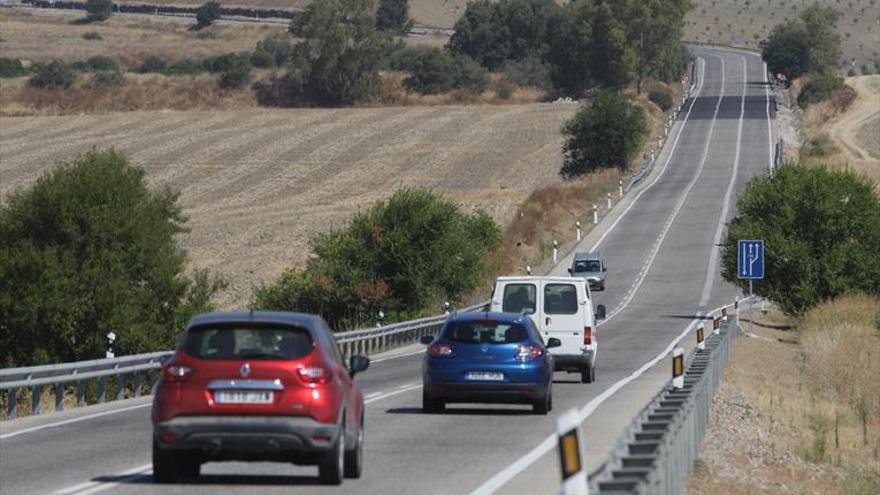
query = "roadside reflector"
{"x": 678, "y": 368}
{"x": 724, "y": 313}
{"x": 574, "y": 478}
{"x": 716, "y": 324}
{"x": 701, "y": 344}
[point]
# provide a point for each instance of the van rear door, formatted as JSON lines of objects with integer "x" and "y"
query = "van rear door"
{"x": 563, "y": 315}
{"x": 520, "y": 298}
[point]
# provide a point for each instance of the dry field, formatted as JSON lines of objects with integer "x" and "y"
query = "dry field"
{"x": 44, "y": 35}
{"x": 746, "y": 22}
{"x": 257, "y": 184}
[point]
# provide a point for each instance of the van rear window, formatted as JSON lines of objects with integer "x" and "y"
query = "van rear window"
{"x": 519, "y": 298}
{"x": 253, "y": 342}
{"x": 560, "y": 299}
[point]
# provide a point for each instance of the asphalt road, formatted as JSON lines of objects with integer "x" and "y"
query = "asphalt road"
{"x": 659, "y": 245}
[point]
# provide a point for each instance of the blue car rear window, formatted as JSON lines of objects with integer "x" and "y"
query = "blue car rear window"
{"x": 485, "y": 332}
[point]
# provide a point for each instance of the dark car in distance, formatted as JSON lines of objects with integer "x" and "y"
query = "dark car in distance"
{"x": 258, "y": 386}
{"x": 488, "y": 358}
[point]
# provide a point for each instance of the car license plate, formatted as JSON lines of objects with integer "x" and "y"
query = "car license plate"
{"x": 242, "y": 397}
{"x": 486, "y": 376}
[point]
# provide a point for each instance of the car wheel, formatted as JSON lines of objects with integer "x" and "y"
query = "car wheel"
{"x": 188, "y": 467}
{"x": 354, "y": 458}
{"x": 431, "y": 405}
{"x": 165, "y": 468}
{"x": 588, "y": 374}
{"x": 542, "y": 406}
{"x": 331, "y": 468}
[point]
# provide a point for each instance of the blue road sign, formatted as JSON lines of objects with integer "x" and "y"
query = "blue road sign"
{"x": 750, "y": 259}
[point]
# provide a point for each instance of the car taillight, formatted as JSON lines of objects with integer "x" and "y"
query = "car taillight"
{"x": 588, "y": 336}
{"x": 441, "y": 350}
{"x": 177, "y": 373}
{"x": 315, "y": 374}
{"x": 528, "y": 352}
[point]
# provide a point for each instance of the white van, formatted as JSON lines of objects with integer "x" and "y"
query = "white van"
{"x": 561, "y": 307}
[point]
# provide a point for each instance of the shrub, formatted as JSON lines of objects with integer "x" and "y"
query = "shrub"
{"x": 821, "y": 230}
{"x": 207, "y": 13}
{"x": 80, "y": 66}
{"x": 405, "y": 58}
{"x": 865, "y": 69}
{"x": 93, "y": 36}
{"x": 103, "y": 63}
{"x": 11, "y": 67}
{"x": 851, "y": 73}
{"x": 153, "y": 63}
{"x": 88, "y": 249}
{"x": 661, "y": 98}
{"x": 263, "y": 60}
{"x": 237, "y": 73}
{"x": 530, "y": 71}
{"x": 393, "y": 16}
{"x": 55, "y": 74}
{"x": 225, "y": 62}
{"x": 435, "y": 71}
{"x": 108, "y": 78}
{"x": 819, "y": 87}
{"x": 278, "y": 45}
{"x": 606, "y": 133}
{"x": 185, "y": 67}
{"x": 403, "y": 255}
{"x": 99, "y": 10}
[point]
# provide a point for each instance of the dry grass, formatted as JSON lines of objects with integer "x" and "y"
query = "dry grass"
{"x": 744, "y": 23}
{"x": 782, "y": 421}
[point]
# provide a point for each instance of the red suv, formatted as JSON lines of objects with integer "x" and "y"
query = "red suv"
{"x": 258, "y": 386}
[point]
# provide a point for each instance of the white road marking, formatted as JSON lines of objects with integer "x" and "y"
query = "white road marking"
{"x": 401, "y": 389}
{"x": 397, "y": 356}
{"x": 709, "y": 281}
{"x": 643, "y": 274}
{"x": 769, "y": 127}
{"x": 73, "y": 420}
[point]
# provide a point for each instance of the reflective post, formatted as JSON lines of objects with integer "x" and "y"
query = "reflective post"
{"x": 678, "y": 368}
{"x": 574, "y": 476}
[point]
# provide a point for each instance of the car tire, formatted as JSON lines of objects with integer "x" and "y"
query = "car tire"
{"x": 332, "y": 466}
{"x": 165, "y": 467}
{"x": 431, "y": 405}
{"x": 542, "y": 406}
{"x": 588, "y": 374}
{"x": 354, "y": 458}
{"x": 188, "y": 467}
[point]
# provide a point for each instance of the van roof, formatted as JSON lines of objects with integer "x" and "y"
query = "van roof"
{"x": 583, "y": 256}
{"x": 534, "y": 278}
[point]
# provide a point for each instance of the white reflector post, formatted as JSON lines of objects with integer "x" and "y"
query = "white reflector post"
{"x": 574, "y": 475}
{"x": 701, "y": 339}
{"x": 678, "y": 368}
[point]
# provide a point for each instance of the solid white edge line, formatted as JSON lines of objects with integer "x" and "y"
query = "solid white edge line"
{"x": 769, "y": 127}
{"x": 725, "y": 208}
{"x": 73, "y": 420}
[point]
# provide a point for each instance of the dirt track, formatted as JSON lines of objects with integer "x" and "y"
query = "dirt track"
{"x": 855, "y": 130}
{"x": 257, "y": 184}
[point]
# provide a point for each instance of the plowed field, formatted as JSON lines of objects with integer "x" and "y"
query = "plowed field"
{"x": 257, "y": 184}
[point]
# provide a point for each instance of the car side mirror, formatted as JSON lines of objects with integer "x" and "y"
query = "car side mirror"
{"x": 570, "y": 271}
{"x": 600, "y": 312}
{"x": 426, "y": 339}
{"x": 357, "y": 364}
{"x": 553, "y": 342}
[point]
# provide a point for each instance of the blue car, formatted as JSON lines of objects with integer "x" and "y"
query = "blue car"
{"x": 488, "y": 358}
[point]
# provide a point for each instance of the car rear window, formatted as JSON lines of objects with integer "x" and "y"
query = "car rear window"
{"x": 253, "y": 342}
{"x": 485, "y": 332}
{"x": 560, "y": 299}
{"x": 519, "y": 297}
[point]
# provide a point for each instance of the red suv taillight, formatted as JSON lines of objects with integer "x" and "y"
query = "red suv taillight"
{"x": 317, "y": 375}
{"x": 528, "y": 352}
{"x": 588, "y": 336}
{"x": 174, "y": 372}
{"x": 441, "y": 350}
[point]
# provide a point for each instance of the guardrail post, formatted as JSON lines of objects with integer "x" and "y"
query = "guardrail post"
{"x": 80, "y": 393}
{"x": 11, "y": 396}
{"x": 36, "y": 395}
{"x": 59, "y": 396}
{"x": 138, "y": 383}
{"x": 120, "y": 385}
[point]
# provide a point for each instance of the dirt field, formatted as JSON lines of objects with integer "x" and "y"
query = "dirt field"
{"x": 257, "y": 184}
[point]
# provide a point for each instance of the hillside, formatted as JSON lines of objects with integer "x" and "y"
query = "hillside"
{"x": 257, "y": 184}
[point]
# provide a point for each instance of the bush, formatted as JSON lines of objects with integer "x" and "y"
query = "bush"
{"x": 262, "y": 60}
{"x": 865, "y": 69}
{"x": 185, "y": 67}
{"x": 55, "y": 74}
{"x": 99, "y": 10}
{"x": 103, "y": 63}
{"x": 821, "y": 230}
{"x": 225, "y": 62}
{"x": 93, "y": 36}
{"x": 393, "y": 16}
{"x": 278, "y": 45}
{"x": 529, "y": 72}
{"x": 11, "y": 67}
{"x": 80, "y": 66}
{"x": 89, "y": 249}
{"x": 606, "y": 133}
{"x": 153, "y": 63}
{"x": 237, "y": 73}
{"x": 819, "y": 87}
{"x": 662, "y": 99}
{"x": 403, "y": 255}
{"x": 207, "y": 13}
{"x": 435, "y": 71}
{"x": 108, "y": 78}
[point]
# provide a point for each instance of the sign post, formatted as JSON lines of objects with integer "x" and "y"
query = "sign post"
{"x": 750, "y": 266}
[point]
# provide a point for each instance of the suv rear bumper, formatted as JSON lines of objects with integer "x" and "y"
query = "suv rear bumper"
{"x": 573, "y": 362}
{"x": 247, "y": 437}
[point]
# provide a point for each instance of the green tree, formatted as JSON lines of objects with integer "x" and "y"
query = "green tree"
{"x": 805, "y": 44}
{"x": 207, "y": 13}
{"x": 613, "y": 59}
{"x": 98, "y": 10}
{"x": 654, "y": 29}
{"x": 236, "y": 73}
{"x": 606, "y": 133}
{"x": 393, "y": 16}
{"x": 403, "y": 255}
{"x": 435, "y": 71}
{"x": 278, "y": 45}
{"x": 821, "y": 230}
{"x": 336, "y": 63}
{"x": 88, "y": 249}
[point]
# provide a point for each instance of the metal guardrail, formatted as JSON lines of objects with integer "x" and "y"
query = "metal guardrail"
{"x": 656, "y": 451}
{"x": 140, "y": 366}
